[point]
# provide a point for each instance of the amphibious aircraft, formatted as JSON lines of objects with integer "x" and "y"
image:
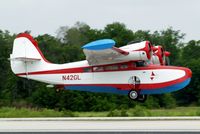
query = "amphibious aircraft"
{"x": 136, "y": 69}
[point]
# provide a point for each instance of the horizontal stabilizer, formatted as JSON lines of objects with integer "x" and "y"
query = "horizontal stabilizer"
{"x": 25, "y": 59}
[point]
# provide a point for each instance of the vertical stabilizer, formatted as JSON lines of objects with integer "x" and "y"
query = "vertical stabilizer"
{"x": 25, "y": 54}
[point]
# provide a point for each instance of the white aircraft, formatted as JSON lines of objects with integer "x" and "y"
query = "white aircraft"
{"x": 136, "y": 70}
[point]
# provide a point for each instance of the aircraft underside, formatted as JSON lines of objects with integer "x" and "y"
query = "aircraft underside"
{"x": 115, "y": 90}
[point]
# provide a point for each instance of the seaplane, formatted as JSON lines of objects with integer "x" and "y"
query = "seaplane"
{"x": 137, "y": 69}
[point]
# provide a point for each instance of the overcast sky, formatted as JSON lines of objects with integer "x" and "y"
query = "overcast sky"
{"x": 46, "y": 16}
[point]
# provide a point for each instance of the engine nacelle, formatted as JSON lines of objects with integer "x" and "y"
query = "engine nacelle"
{"x": 155, "y": 60}
{"x": 159, "y": 56}
{"x": 139, "y": 51}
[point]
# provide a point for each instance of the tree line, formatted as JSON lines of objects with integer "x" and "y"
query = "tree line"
{"x": 66, "y": 47}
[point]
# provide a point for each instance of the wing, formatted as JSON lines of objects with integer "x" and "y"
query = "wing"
{"x": 103, "y": 52}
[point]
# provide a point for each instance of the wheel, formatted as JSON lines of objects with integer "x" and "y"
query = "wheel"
{"x": 142, "y": 98}
{"x": 133, "y": 94}
{"x": 57, "y": 90}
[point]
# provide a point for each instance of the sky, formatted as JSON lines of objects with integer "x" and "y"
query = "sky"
{"x": 46, "y": 16}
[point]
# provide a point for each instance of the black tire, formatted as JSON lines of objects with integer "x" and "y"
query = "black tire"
{"x": 57, "y": 90}
{"x": 133, "y": 94}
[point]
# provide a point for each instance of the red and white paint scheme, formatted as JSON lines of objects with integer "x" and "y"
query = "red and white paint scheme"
{"x": 136, "y": 69}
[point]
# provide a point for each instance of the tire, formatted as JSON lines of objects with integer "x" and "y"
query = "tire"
{"x": 133, "y": 94}
{"x": 57, "y": 90}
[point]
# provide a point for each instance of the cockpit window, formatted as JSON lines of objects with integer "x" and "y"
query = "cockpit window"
{"x": 140, "y": 64}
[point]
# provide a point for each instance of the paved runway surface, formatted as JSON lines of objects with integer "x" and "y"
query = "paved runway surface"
{"x": 117, "y": 125}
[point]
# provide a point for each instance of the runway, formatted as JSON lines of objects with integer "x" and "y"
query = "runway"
{"x": 102, "y": 124}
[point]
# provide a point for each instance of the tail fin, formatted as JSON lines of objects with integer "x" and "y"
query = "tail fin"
{"x": 25, "y": 52}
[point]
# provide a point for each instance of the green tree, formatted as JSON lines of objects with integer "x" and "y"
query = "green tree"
{"x": 118, "y": 32}
{"x": 75, "y": 35}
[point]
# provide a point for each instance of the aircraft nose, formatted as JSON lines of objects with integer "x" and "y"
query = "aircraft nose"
{"x": 188, "y": 72}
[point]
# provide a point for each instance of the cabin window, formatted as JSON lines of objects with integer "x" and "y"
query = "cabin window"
{"x": 97, "y": 69}
{"x": 108, "y": 68}
{"x": 124, "y": 66}
{"x": 113, "y": 67}
{"x": 87, "y": 69}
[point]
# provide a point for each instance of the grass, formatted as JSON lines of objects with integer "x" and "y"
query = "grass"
{"x": 10, "y": 112}
{"x": 7, "y": 112}
{"x": 139, "y": 111}
{"x": 179, "y": 111}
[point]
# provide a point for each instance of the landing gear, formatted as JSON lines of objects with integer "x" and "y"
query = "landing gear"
{"x": 134, "y": 95}
{"x": 57, "y": 90}
{"x": 142, "y": 98}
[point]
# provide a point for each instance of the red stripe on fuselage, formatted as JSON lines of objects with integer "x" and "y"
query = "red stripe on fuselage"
{"x": 120, "y": 86}
{"x": 80, "y": 70}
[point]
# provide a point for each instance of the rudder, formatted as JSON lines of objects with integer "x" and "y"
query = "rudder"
{"x": 25, "y": 51}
